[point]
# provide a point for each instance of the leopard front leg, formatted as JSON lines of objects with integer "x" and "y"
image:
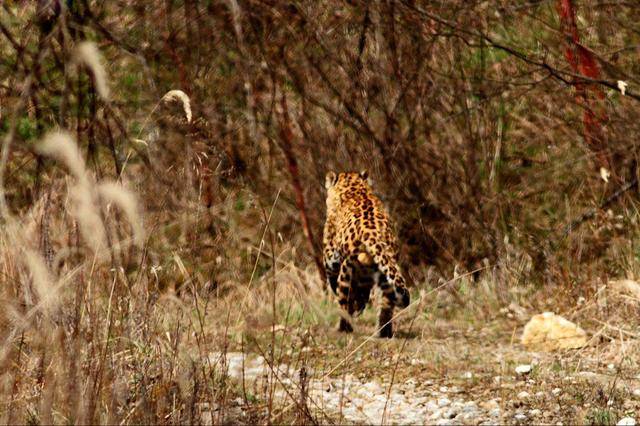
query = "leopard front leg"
{"x": 344, "y": 294}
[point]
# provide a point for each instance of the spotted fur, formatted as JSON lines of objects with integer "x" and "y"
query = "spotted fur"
{"x": 360, "y": 250}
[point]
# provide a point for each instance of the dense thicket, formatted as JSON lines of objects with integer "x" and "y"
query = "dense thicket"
{"x": 487, "y": 126}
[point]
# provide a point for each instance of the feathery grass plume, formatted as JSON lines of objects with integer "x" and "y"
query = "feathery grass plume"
{"x": 61, "y": 146}
{"x": 85, "y": 211}
{"x": 179, "y": 95}
{"x": 43, "y": 282}
{"x": 126, "y": 201}
{"x": 88, "y": 54}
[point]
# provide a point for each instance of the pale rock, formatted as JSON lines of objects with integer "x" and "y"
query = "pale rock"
{"x": 489, "y": 405}
{"x": 431, "y": 406}
{"x": 457, "y": 405}
{"x": 588, "y": 375}
{"x": 239, "y": 364}
{"x": 626, "y": 421}
{"x": 534, "y": 412}
{"x": 443, "y": 402}
{"x": 549, "y": 332}
{"x": 556, "y": 391}
{"x": 523, "y": 395}
{"x": 520, "y": 417}
{"x": 469, "y": 408}
{"x": 467, "y": 417}
{"x": 636, "y": 393}
{"x": 523, "y": 369}
{"x": 436, "y": 414}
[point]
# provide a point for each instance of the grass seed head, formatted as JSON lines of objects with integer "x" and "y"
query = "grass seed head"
{"x": 86, "y": 212}
{"x": 61, "y": 146}
{"x": 126, "y": 201}
{"x": 43, "y": 282}
{"x": 179, "y": 95}
{"x": 88, "y": 54}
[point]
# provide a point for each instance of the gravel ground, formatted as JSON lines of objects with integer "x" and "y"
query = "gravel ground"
{"x": 518, "y": 398}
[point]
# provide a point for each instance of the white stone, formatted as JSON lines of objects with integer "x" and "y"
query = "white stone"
{"x": 523, "y": 369}
{"x": 523, "y": 395}
{"x": 636, "y": 393}
{"x": 469, "y": 407}
{"x": 556, "y": 391}
{"x": 436, "y": 414}
{"x": 431, "y": 406}
{"x": 467, "y": 417}
{"x": 626, "y": 421}
{"x": 467, "y": 375}
{"x": 587, "y": 374}
{"x": 443, "y": 402}
{"x": 535, "y": 412}
{"x": 520, "y": 417}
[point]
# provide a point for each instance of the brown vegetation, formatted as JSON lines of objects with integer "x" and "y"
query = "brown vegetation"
{"x": 161, "y": 189}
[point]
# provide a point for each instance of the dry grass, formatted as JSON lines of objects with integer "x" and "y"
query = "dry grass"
{"x": 168, "y": 280}
{"x": 141, "y": 356}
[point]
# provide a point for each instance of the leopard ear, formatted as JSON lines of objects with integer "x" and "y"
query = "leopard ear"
{"x": 365, "y": 176}
{"x": 330, "y": 180}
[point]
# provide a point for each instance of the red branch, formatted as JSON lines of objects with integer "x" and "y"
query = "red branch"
{"x": 286, "y": 137}
{"x": 583, "y": 62}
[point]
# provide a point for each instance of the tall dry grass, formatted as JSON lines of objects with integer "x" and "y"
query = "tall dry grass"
{"x": 158, "y": 234}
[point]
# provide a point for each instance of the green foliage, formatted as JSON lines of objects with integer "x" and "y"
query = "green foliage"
{"x": 602, "y": 417}
{"x": 26, "y": 128}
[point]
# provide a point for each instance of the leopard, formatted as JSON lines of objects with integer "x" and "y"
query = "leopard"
{"x": 360, "y": 251}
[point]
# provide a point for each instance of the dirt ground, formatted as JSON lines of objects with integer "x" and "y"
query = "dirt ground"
{"x": 437, "y": 371}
